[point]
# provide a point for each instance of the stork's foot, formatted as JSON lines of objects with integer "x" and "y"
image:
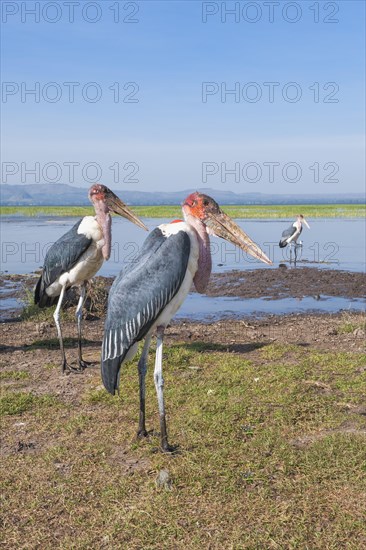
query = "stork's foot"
{"x": 68, "y": 369}
{"x": 170, "y": 449}
{"x": 142, "y": 433}
{"x": 85, "y": 364}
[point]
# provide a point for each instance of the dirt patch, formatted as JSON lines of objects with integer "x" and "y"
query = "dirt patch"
{"x": 126, "y": 462}
{"x": 306, "y": 440}
{"x": 270, "y": 284}
{"x": 23, "y": 441}
{"x": 283, "y": 282}
{"x": 34, "y": 346}
{"x": 323, "y": 330}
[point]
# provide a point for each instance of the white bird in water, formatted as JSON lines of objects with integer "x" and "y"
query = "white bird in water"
{"x": 291, "y": 235}
{"x": 77, "y": 256}
{"x": 147, "y": 293}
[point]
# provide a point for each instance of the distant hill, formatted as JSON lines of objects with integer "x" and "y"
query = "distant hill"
{"x": 66, "y": 195}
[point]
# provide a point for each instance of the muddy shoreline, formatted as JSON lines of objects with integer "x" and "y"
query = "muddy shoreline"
{"x": 271, "y": 284}
{"x": 286, "y": 282}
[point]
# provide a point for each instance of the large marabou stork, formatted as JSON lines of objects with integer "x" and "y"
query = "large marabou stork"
{"x": 77, "y": 256}
{"x": 291, "y": 235}
{"x": 149, "y": 291}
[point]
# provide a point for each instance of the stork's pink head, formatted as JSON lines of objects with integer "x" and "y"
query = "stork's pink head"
{"x": 101, "y": 195}
{"x": 98, "y": 192}
{"x": 200, "y": 206}
{"x": 302, "y": 220}
{"x": 205, "y": 208}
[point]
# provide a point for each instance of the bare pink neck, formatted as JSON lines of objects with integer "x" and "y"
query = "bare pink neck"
{"x": 105, "y": 221}
{"x": 204, "y": 268}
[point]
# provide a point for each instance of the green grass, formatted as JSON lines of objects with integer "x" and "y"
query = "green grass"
{"x": 271, "y": 456}
{"x": 251, "y": 211}
{"x": 14, "y": 375}
{"x": 31, "y": 311}
{"x": 50, "y": 366}
{"x": 349, "y": 325}
{"x": 18, "y": 402}
{"x": 100, "y": 396}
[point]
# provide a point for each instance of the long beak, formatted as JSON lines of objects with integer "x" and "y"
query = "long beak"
{"x": 223, "y": 226}
{"x": 306, "y": 223}
{"x": 118, "y": 207}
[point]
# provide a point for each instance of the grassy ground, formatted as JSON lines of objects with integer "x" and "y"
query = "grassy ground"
{"x": 271, "y": 433}
{"x": 281, "y": 211}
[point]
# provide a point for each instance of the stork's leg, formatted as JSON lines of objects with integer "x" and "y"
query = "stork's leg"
{"x": 295, "y": 253}
{"x": 79, "y": 316}
{"x": 142, "y": 368}
{"x": 56, "y": 316}
{"x": 290, "y": 253}
{"x": 159, "y": 385}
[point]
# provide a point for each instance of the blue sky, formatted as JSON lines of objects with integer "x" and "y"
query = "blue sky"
{"x": 169, "y": 138}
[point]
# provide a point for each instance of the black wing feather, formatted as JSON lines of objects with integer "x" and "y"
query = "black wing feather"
{"x": 138, "y": 296}
{"x": 60, "y": 258}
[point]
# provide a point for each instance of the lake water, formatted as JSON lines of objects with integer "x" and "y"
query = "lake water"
{"x": 329, "y": 244}
{"x": 208, "y": 309}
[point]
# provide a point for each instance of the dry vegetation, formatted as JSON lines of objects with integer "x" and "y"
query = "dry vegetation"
{"x": 270, "y": 421}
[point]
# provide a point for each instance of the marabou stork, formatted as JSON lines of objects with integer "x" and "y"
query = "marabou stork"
{"x": 290, "y": 235}
{"x": 77, "y": 256}
{"x": 148, "y": 292}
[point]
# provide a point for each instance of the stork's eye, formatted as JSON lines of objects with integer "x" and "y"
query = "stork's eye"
{"x": 205, "y": 202}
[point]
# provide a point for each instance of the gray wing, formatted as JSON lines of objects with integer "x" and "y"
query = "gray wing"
{"x": 138, "y": 296}
{"x": 60, "y": 258}
{"x": 286, "y": 235}
{"x": 289, "y": 231}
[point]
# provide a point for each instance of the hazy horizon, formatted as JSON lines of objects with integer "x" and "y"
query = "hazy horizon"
{"x": 190, "y": 189}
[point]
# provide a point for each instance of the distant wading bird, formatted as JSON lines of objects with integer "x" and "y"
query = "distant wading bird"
{"x": 77, "y": 256}
{"x": 290, "y": 235}
{"x": 147, "y": 293}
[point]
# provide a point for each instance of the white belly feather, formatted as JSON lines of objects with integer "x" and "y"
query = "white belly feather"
{"x": 171, "y": 309}
{"x": 89, "y": 262}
